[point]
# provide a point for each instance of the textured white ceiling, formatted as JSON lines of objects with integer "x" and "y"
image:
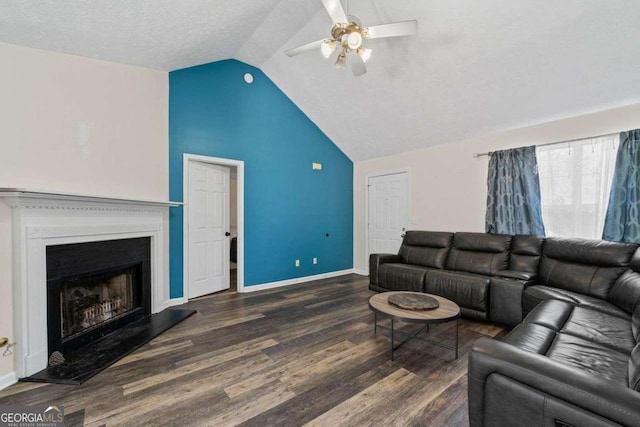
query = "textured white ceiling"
{"x": 475, "y": 67}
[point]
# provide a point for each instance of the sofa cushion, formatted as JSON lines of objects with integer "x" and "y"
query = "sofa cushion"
{"x": 593, "y": 341}
{"x": 625, "y": 292}
{"x": 551, "y": 314}
{"x": 426, "y": 248}
{"x": 469, "y": 313}
{"x": 531, "y": 337}
{"x": 590, "y": 357}
{"x": 479, "y": 253}
{"x": 465, "y": 289}
{"x": 525, "y": 253}
{"x": 515, "y": 274}
{"x": 375, "y": 261}
{"x": 592, "y": 252}
{"x": 401, "y": 277}
{"x": 533, "y": 295}
{"x": 434, "y": 239}
{"x": 601, "y": 328}
{"x": 634, "y": 369}
{"x": 588, "y": 267}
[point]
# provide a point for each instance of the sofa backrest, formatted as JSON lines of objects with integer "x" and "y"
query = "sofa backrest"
{"x": 426, "y": 248}
{"x": 479, "y": 253}
{"x": 625, "y": 292}
{"x": 589, "y": 267}
{"x": 526, "y": 251}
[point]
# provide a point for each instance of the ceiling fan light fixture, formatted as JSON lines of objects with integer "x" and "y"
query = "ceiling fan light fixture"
{"x": 354, "y": 40}
{"x": 348, "y": 34}
{"x": 341, "y": 62}
{"x": 364, "y": 53}
{"x": 327, "y": 48}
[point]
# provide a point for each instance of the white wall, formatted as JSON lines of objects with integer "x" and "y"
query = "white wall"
{"x": 77, "y": 125}
{"x": 448, "y": 185}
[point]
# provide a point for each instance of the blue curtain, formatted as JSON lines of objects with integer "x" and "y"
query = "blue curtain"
{"x": 623, "y": 211}
{"x": 513, "y": 198}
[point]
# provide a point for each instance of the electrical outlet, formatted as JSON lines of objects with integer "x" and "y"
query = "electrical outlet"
{"x": 315, "y": 260}
{"x": 297, "y": 263}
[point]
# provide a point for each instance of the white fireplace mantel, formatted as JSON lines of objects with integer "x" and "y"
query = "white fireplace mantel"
{"x": 22, "y": 197}
{"x": 41, "y": 219}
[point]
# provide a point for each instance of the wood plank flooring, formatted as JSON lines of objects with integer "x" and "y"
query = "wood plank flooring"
{"x": 300, "y": 355}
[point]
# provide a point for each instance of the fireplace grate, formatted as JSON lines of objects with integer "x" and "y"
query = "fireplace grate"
{"x": 88, "y": 302}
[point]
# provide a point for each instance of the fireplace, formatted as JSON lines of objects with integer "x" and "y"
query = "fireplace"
{"x": 94, "y": 289}
{"x": 44, "y": 220}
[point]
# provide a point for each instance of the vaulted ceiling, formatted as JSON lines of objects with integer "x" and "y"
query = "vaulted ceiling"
{"x": 475, "y": 67}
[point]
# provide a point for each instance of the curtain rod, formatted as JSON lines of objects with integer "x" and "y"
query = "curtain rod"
{"x": 488, "y": 153}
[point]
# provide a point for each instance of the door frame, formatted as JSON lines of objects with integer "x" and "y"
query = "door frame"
{"x": 366, "y": 204}
{"x": 187, "y": 160}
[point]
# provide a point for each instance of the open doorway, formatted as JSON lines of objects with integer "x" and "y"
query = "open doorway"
{"x": 213, "y": 194}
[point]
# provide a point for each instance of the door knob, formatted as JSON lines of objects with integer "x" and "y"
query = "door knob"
{"x": 227, "y": 234}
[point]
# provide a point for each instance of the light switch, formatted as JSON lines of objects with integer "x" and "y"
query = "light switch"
{"x": 316, "y": 166}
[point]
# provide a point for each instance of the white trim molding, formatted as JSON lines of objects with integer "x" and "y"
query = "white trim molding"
{"x": 360, "y": 272}
{"x": 294, "y": 281}
{"x": 44, "y": 199}
{"x": 8, "y": 379}
{"x": 239, "y": 165}
{"x": 176, "y": 301}
{"x": 42, "y": 219}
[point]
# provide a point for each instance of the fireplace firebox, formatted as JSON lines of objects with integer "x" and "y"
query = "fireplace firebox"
{"x": 95, "y": 289}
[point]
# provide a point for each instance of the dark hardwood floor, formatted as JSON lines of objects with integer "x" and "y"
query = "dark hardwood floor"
{"x": 300, "y": 355}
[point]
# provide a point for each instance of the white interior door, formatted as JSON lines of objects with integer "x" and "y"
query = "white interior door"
{"x": 208, "y": 211}
{"x": 388, "y": 212}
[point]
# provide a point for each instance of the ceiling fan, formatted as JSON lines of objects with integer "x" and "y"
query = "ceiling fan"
{"x": 349, "y": 34}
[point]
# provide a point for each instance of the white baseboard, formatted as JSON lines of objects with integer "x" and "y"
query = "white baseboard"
{"x": 295, "y": 281}
{"x": 360, "y": 272}
{"x": 8, "y": 379}
{"x": 175, "y": 301}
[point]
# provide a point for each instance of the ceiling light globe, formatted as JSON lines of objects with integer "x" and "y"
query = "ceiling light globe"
{"x": 364, "y": 53}
{"x": 341, "y": 62}
{"x": 354, "y": 41}
{"x": 327, "y": 48}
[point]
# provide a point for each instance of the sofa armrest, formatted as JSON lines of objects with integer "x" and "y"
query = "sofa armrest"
{"x": 552, "y": 389}
{"x": 376, "y": 260}
{"x": 505, "y": 299}
{"x": 518, "y": 275}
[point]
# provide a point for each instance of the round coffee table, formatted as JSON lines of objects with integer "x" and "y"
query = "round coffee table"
{"x": 447, "y": 311}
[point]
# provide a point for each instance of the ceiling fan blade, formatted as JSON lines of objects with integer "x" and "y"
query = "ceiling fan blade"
{"x": 335, "y": 11}
{"x": 305, "y": 47}
{"x": 357, "y": 65}
{"x": 403, "y": 28}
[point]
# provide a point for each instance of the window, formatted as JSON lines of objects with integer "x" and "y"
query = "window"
{"x": 575, "y": 179}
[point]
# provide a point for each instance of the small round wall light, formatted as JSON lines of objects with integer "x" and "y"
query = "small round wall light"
{"x": 248, "y": 77}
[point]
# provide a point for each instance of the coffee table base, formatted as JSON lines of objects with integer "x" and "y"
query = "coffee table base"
{"x": 415, "y": 336}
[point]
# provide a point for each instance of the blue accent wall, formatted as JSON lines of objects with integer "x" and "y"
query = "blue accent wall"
{"x": 289, "y": 208}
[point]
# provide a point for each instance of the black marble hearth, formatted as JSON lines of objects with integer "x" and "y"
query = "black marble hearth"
{"x": 90, "y": 360}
